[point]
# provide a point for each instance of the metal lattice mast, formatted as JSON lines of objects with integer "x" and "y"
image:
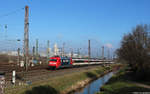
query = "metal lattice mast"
{"x": 89, "y": 51}
{"x": 33, "y": 52}
{"x": 48, "y": 51}
{"x": 19, "y": 56}
{"x": 37, "y": 52}
{"x": 71, "y": 52}
{"x": 108, "y": 54}
{"x": 26, "y": 37}
{"x": 63, "y": 50}
{"x": 102, "y": 52}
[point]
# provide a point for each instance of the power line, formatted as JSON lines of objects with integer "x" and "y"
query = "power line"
{"x": 12, "y": 12}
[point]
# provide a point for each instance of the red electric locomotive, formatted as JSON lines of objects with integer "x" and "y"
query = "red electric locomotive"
{"x": 59, "y": 62}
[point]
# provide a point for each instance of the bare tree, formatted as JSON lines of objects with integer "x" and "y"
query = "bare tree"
{"x": 135, "y": 50}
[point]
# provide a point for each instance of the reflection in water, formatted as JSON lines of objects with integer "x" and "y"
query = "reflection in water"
{"x": 88, "y": 89}
{"x": 94, "y": 87}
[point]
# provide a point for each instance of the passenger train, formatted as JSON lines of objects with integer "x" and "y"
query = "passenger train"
{"x": 60, "y": 62}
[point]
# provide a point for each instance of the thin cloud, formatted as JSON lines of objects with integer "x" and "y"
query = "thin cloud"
{"x": 109, "y": 45}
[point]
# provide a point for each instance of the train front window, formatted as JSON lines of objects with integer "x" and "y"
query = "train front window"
{"x": 54, "y": 60}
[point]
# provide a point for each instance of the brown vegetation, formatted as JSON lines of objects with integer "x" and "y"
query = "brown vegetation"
{"x": 135, "y": 51}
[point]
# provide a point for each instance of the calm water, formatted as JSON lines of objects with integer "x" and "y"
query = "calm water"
{"x": 94, "y": 86}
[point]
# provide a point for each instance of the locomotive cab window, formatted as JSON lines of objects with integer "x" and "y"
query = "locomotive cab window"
{"x": 53, "y": 60}
{"x": 66, "y": 60}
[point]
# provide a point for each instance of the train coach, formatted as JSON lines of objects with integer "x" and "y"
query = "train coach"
{"x": 60, "y": 62}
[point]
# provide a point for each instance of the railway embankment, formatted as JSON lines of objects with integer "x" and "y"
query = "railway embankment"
{"x": 124, "y": 83}
{"x": 67, "y": 83}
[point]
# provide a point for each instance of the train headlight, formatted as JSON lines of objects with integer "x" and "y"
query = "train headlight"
{"x": 52, "y": 62}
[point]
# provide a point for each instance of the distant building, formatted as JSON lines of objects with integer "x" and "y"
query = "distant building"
{"x": 12, "y": 53}
{"x": 74, "y": 55}
{"x": 43, "y": 53}
{"x": 56, "y": 50}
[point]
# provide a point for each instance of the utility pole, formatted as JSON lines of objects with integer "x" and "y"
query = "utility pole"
{"x": 63, "y": 50}
{"x": 33, "y": 51}
{"x": 78, "y": 52}
{"x": 26, "y": 37}
{"x": 71, "y": 52}
{"x": 19, "y": 56}
{"x": 48, "y": 50}
{"x": 89, "y": 51}
{"x": 102, "y": 52}
{"x": 97, "y": 54}
{"x": 37, "y": 52}
{"x": 61, "y": 54}
{"x": 113, "y": 55}
{"x": 6, "y": 31}
{"x": 108, "y": 55}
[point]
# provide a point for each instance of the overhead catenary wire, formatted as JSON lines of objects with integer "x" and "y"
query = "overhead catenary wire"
{"x": 12, "y": 12}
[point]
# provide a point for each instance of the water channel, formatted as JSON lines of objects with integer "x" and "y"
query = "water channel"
{"x": 94, "y": 86}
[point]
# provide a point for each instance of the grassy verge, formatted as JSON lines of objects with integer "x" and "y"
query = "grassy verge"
{"x": 121, "y": 83}
{"x": 62, "y": 84}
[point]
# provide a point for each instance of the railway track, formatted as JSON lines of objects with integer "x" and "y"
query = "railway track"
{"x": 7, "y": 68}
{"x": 37, "y": 75}
{"x": 40, "y": 72}
{"x": 44, "y": 74}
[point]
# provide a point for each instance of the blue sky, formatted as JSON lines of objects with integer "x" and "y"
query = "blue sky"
{"x": 74, "y": 21}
